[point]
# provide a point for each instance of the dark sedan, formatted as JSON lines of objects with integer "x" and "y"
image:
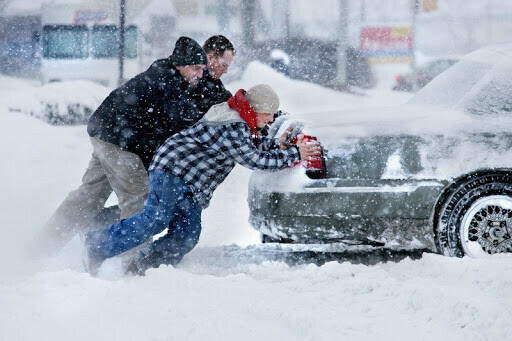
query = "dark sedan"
{"x": 434, "y": 173}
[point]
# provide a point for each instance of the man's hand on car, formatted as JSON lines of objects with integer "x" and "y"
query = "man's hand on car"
{"x": 283, "y": 139}
{"x": 309, "y": 149}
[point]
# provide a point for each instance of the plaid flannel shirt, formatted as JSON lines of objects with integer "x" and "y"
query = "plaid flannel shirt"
{"x": 204, "y": 154}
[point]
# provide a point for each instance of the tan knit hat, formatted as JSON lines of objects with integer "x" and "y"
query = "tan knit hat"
{"x": 262, "y": 99}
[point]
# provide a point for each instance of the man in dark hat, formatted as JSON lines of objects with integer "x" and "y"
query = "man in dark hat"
{"x": 125, "y": 132}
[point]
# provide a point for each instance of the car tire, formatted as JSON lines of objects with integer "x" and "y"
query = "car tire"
{"x": 476, "y": 218}
{"x": 268, "y": 239}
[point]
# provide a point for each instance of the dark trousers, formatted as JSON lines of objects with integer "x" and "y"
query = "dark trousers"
{"x": 170, "y": 204}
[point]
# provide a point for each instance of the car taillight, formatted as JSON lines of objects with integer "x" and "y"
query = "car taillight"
{"x": 315, "y": 167}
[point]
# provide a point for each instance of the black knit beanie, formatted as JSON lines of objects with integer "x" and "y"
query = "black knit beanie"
{"x": 188, "y": 52}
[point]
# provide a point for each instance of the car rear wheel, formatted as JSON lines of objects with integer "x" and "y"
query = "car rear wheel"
{"x": 476, "y": 220}
{"x": 269, "y": 239}
{"x": 264, "y": 238}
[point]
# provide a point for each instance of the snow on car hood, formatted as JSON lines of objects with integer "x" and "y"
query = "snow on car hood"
{"x": 473, "y": 96}
{"x": 408, "y": 119}
{"x": 460, "y": 122}
{"x": 447, "y": 143}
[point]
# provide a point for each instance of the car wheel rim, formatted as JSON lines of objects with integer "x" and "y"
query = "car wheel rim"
{"x": 487, "y": 227}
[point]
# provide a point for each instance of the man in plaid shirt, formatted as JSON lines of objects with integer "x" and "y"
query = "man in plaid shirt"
{"x": 186, "y": 170}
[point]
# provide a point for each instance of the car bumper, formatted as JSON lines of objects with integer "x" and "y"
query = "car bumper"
{"x": 357, "y": 210}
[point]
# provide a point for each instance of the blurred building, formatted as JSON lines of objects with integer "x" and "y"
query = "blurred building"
{"x": 442, "y": 26}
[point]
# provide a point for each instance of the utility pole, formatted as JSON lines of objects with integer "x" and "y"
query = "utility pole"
{"x": 341, "y": 76}
{"x": 275, "y": 19}
{"x": 287, "y": 18}
{"x": 122, "y": 10}
{"x": 223, "y": 17}
{"x": 489, "y": 23}
{"x": 280, "y": 17}
{"x": 415, "y": 9}
{"x": 363, "y": 11}
{"x": 248, "y": 22}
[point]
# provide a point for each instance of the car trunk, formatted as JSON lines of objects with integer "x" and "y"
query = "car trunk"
{"x": 368, "y": 180}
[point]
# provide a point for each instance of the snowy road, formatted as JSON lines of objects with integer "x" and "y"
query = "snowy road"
{"x": 229, "y": 287}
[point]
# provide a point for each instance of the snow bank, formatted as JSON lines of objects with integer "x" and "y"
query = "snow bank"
{"x": 435, "y": 298}
{"x": 59, "y": 103}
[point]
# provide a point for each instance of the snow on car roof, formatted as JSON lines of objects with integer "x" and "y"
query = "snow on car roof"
{"x": 460, "y": 100}
{"x": 473, "y": 70}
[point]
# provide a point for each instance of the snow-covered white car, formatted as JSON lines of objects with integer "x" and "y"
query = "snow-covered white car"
{"x": 434, "y": 173}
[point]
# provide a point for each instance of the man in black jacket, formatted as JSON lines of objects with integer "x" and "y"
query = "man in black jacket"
{"x": 125, "y": 132}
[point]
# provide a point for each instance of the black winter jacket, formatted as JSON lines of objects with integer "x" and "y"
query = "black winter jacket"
{"x": 210, "y": 91}
{"x": 141, "y": 114}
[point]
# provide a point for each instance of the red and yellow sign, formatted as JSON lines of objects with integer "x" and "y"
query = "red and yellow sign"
{"x": 387, "y": 43}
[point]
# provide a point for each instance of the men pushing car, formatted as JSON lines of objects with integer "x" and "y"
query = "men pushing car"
{"x": 186, "y": 170}
{"x": 128, "y": 127}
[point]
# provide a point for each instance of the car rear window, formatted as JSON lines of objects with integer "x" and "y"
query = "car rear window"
{"x": 450, "y": 87}
{"x": 493, "y": 95}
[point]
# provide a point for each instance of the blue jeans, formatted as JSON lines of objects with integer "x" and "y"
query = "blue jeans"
{"x": 170, "y": 204}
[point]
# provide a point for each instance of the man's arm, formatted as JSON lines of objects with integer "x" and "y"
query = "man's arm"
{"x": 185, "y": 111}
{"x": 237, "y": 144}
{"x": 267, "y": 143}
